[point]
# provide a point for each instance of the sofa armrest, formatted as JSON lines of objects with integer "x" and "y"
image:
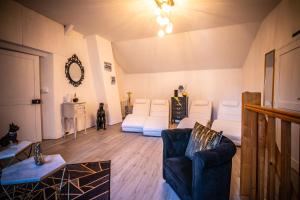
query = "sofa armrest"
{"x": 212, "y": 171}
{"x": 215, "y": 157}
{"x": 175, "y": 142}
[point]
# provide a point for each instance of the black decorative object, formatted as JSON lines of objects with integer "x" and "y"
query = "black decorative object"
{"x": 180, "y": 88}
{"x": 113, "y": 80}
{"x": 74, "y": 71}
{"x": 38, "y": 156}
{"x": 75, "y": 99}
{"x": 175, "y": 93}
{"x": 101, "y": 121}
{"x": 11, "y": 136}
{"x": 107, "y": 66}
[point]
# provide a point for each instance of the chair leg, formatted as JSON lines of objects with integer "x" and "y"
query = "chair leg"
{"x": 84, "y": 123}
{"x": 75, "y": 127}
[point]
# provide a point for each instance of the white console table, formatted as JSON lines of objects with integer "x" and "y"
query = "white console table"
{"x": 74, "y": 111}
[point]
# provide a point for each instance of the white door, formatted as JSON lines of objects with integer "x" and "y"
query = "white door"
{"x": 19, "y": 84}
{"x": 287, "y": 92}
{"x": 288, "y": 77}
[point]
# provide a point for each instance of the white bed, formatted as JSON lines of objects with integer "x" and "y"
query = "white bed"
{"x": 229, "y": 120}
{"x": 158, "y": 119}
{"x": 200, "y": 111}
{"x": 135, "y": 122}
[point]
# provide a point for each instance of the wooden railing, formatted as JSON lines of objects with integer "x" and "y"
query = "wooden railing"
{"x": 264, "y": 168}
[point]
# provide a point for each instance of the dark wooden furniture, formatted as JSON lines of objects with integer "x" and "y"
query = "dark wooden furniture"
{"x": 128, "y": 109}
{"x": 179, "y": 108}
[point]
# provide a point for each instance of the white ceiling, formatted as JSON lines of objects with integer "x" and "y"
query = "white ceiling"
{"x": 119, "y": 20}
{"x": 215, "y": 48}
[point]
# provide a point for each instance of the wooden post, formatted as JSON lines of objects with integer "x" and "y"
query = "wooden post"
{"x": 261, "y": 155}
{"x": 254, "y": 151}
{"x": 271, "y": 143}
{"x": 285, "y": 160}
{"x": 247, "y": 142}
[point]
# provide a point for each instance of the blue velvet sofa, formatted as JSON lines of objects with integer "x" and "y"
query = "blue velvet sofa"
{"x": 206, "y": 177}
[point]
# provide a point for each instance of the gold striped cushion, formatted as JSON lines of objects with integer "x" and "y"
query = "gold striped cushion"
{"x": 202, "y": 138}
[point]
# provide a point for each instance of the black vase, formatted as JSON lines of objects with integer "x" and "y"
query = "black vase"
{"x": 38, "y": 156}
{"x": 175, "y": 93}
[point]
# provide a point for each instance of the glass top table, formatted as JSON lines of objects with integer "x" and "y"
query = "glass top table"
{"x": 27, "y": 171}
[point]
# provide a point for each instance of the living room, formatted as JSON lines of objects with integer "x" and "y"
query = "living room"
{"x": 150, "y": 99}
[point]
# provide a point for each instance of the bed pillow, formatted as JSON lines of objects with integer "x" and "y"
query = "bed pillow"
{"x": 202, "y": 138}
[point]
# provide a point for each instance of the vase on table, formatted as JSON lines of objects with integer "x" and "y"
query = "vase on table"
{"x": 38, "y": 156}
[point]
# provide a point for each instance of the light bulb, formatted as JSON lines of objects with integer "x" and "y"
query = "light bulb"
{"x": 157, "y": 11}
{"x": 165, "y": 21}
{"x": 169, "y": 28}
{"x": 159, "y": 20}
{"x": 162, "y": 20}
{"x": 166, "y": 8}
{"x": 161, "y": 33}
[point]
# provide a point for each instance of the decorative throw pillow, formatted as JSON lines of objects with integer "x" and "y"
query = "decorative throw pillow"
{"x": 202, "y": 138}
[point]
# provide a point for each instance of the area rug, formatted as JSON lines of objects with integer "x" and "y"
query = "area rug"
{"x": 85, "y": 181}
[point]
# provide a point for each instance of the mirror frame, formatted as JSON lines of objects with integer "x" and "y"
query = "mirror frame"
{"x": 273, "y": 75}
{"x": 74, "y": 60}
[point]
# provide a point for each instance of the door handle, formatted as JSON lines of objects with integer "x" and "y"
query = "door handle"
{"x": 36, "y": 101}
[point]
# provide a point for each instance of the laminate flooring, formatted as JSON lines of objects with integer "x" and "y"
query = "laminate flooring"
{"x": 136, "y": 172}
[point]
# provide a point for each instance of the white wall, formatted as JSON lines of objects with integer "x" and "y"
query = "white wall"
{"x": 26, "y": 28}
{"x": 100, "y": 51}
{"x": 275, "y": 32}
{"x": 74, "y": 43}
{"x": 215, "y": 85}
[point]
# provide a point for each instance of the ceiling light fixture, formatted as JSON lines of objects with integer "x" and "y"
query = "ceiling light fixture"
{"x": 164, "y": 7}
{"x": 161, "y": 33}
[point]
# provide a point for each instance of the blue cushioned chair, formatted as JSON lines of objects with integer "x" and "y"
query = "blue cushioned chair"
{"x": 206, "y": 177}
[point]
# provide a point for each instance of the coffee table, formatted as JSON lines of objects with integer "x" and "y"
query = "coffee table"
{"x": 13, "y": 150}
{"x": 27, "y": 171}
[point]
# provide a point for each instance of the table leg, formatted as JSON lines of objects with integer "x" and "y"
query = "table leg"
{"x": 28, "y": 195}
{"x": 75, "y": 127}
{"x": 84, "y": 123}
{"x": 62, "y": 178}
{"x": 68, "y": 185}
{"x": 5, "y": 191}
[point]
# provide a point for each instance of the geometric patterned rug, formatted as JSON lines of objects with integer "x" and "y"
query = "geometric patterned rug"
{"x": 86, "y": 181}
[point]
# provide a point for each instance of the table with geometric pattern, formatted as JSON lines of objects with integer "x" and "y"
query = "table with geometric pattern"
{"x": 74, "y": 181}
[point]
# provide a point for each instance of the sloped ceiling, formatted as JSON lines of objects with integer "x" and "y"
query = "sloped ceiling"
{"x": 223, "y": 47}
{"x": 207, "y": 34}
{"x": 118, "y": 20}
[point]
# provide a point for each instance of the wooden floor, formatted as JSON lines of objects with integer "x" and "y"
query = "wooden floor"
{"x": 136, "y": 162}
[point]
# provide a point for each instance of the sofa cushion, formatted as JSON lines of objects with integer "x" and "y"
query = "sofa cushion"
{"x": 202, "y": 138}
{"x": 181, "y": 170}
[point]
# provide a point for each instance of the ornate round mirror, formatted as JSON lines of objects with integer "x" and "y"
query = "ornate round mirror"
{"x": 74, "y": 71}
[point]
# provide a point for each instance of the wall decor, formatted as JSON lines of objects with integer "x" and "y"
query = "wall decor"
{"x": 11, "y": 136}
{"x": 113, "y": 80}
{"x": 107, "y": 66}
{"x": 74, "y": 71}
{"x": 101, "y": 119}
